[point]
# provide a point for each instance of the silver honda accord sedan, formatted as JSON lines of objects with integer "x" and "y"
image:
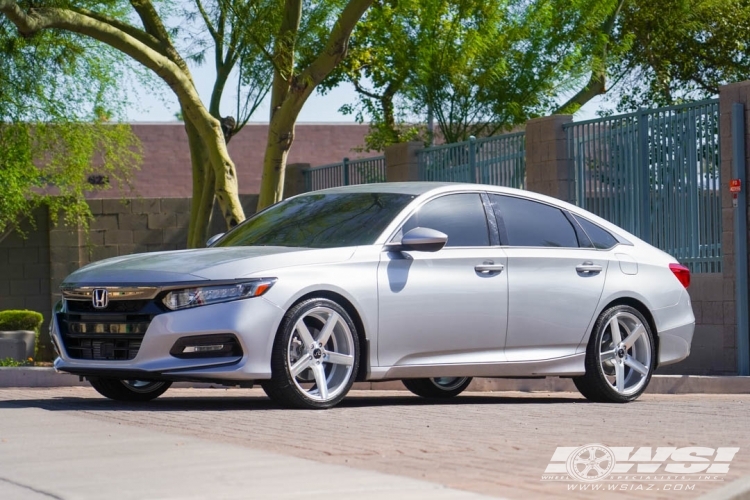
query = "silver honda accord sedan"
{"x": 427, "y": 283}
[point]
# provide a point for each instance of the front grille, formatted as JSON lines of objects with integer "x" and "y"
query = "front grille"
{"x": 103, "y": 349}
{"x": 114, "y": 306}
{"x": 114, "y": 333}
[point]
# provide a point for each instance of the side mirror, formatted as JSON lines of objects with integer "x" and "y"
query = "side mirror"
{"x": 421, "y": 239}
{"x": 213, "y": 239}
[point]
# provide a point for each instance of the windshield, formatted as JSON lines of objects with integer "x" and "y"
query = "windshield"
{"x": 320, "y": 221}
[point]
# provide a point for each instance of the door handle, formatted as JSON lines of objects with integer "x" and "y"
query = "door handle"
{"x": 489, "y": 267}
{"x": 588, "y": 268}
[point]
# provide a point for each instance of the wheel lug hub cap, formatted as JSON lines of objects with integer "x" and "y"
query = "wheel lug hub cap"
{"x": 621, "y": 353}
{"x": 317, "y": 353}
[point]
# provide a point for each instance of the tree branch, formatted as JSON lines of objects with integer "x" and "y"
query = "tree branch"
{"x": 76, "y": 22}
{"x": 597, "y": 82}
{"x": 207, "y": 20}
{"x": 154, "y": 26}
{"x": 136, "y": 33}
{"x": 361, "y": 90}
{"x": 337, "y": 46}
{"x": 283, "y": 53}
{"x": 151, "y": 20}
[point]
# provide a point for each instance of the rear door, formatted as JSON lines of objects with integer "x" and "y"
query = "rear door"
{"x": 555, "y": 278}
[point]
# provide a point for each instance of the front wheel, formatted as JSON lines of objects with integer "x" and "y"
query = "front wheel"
{"x": 437, "y": 387}
{"x": 129, "y": 390}
{"x": 315, "y": 356}
{"x": 620, "y": 357}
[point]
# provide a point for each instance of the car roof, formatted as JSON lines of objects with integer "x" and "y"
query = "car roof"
{"x": 414, "y": 188}
{"x": 420, "y": 188}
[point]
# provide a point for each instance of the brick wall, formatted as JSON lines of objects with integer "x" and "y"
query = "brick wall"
{"x": 714, "y": 342}
{"x": 165, "y": 170}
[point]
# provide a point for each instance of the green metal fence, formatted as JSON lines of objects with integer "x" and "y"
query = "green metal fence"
{"x": 655, "y": 173}
{"x": 498, "y": 160}
{"x": 363, "y": 171}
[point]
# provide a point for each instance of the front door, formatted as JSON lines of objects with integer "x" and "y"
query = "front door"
{"x": 449, "y": 306}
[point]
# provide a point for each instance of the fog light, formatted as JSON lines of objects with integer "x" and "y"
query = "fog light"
{"x": 202, "y": 348}
{"x": 220, "y": 345}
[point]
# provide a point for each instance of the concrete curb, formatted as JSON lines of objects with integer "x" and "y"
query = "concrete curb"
{"x": 660, "y": 384}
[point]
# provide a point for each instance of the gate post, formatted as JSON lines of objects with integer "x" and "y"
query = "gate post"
{"x": 401, "y": 162}
{"x": 739, "y": 166}
{"x": 733, "y": 101}
{"x": 547, "y": 160}
{"x": 644, "y": 179}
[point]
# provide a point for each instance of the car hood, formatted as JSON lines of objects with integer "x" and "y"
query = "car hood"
{"x": 201, "y": 264}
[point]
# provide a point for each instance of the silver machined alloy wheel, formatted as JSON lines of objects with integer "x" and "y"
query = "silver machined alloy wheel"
{"x": 320, "y": 354}
{"x": 315, "y": 357}
{"x": 625, "y": 353}
{"x": 620, "y": 357}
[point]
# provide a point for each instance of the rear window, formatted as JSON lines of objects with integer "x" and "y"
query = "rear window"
{"x": 528, "y": 223}
{"x": 320, "y": 221}
{"x": 601, "y": 238}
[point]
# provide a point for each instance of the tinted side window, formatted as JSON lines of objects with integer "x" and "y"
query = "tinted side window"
{"x": 599, "y": 237}
{"x": 320, "y": 220}
{"x": 460, "y": 216}
{"x": 532, "y": 224}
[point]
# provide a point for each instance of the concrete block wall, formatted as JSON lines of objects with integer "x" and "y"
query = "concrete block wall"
{"x": 25, "y": 267}
{"x": 547, "y": 164}
{"x": 714, "y": 342}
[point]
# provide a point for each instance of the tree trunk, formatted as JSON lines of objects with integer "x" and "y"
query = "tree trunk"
{"x": 210, "y": 181}
{"x": 280, "y": 137}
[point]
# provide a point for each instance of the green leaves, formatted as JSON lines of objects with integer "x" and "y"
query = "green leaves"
{"x": 49, "y": 164}
{"x": 57, "y": 93}
{"x": 481, "y": 66}
{"x": 680, "y": 50}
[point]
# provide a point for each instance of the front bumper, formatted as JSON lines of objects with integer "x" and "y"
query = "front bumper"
{"x": 253, "y": 321}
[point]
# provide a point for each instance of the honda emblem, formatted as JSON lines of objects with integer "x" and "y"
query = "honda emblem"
{"x": 100, "y": 298}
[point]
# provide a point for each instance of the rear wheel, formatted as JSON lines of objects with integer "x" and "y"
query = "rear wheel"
{"x": 315, "y": 356}
{"x": 129, "y": 390}
{"x": 620, "y": 357}
{"x": 437, "y": 387}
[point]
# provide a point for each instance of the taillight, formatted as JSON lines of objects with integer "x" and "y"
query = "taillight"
{"x": 682, "y": 273}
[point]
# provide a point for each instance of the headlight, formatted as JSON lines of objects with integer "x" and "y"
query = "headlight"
{"x": 200, "y": 296}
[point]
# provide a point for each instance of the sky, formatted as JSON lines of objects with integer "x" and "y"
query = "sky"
{"x": 152, "y": 107}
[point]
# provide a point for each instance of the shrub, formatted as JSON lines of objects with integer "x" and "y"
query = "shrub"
{"x": 20, "y": 320}
{"x": 14, "y": 363}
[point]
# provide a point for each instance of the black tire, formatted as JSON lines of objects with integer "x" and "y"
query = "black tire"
{"x": 129, "y": 390}
{"x": 438, "y": 387}
{"x": 282, "y": 388}
{"x": 594, "y": 385}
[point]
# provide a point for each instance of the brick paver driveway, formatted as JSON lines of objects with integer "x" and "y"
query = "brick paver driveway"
{"x": 492, "y": 443}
